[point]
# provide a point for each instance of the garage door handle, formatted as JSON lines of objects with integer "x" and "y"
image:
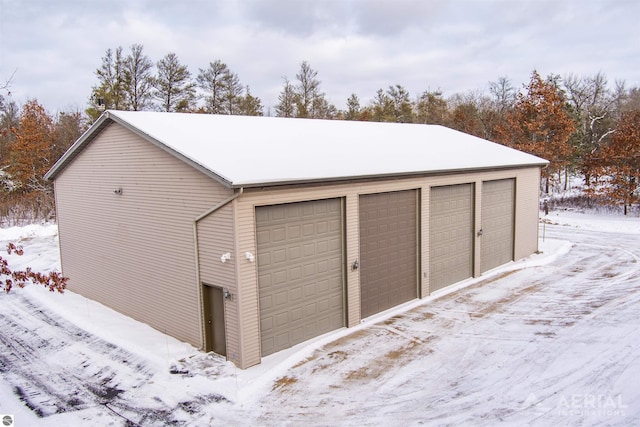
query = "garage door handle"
{"x": 355, "y": 265}
{"x": 480, "y": 233}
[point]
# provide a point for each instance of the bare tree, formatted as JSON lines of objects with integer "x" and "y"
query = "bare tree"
{"x": 310, "y": 102}
{"x": 504, "y": 94}
{"x": 382, "y": 107}
{"x": 286, "y": 106}
{"x": 138, "y": 78}
{"x": 353, "y": 108}
{"x": 402, "y": 106}
{"x": 68, "y": 127}
{"x": 212, "y": 81}
{"x": 232, "y": 95}
{"x": 9, "y": 119}
{"x": 471, "y": 112}
{"x": 4, "y": 87}
{"x": 307, "y": 89}
{"x": 431, "y": 108}
{"x": 593, "y": 108}
{"x": 629, "y": 100}
{"x": 111, "y": 89}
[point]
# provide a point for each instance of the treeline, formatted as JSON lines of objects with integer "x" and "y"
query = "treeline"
{"x": 582, "y": 124}
{"x": 31, "y": 140}
{"x": 129, "y": 83}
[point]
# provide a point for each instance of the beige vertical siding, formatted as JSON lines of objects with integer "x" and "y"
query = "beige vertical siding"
{"x": 352, "y": 234}
{"x": 527, "y": 212}
{"x": 527, "y": 181}
{"x": 135, "y": 252}
{"x": 248, "y": 285}
{"x": 216, "y": 237}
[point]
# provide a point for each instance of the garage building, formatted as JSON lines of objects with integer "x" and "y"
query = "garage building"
{"x": 248, "y": 235}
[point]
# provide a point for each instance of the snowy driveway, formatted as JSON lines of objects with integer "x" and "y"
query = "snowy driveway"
{"x": 550, "y": 344}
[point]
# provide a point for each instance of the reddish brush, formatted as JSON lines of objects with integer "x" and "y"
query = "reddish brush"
{"x": 8, "y": 278}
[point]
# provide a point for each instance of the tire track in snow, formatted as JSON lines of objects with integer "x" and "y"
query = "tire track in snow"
{"x": 35, "y": 362}
{"x": 577, "y": 305}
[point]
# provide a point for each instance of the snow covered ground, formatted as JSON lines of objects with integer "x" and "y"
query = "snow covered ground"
{"x": 550, "y": 340}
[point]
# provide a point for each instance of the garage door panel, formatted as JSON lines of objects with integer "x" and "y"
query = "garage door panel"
{"x": 295, "y": 273}
{"x": 296, "y": 293}
{"x": 300, "y": 275}
{"x": 266, "y": 301}
{"x": 279, "y": 256}
{"x": 388, "y": 250}
{"x": 279, "y": 277}
{"x": 450, "y": 235}
{"x": 309, "y": 250}
{"x": 498, "y": 213}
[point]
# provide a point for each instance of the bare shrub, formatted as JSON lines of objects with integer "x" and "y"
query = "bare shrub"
{"x": 10, "y": 278}
{"x": 27, "y": 208}
{"x": 583, "y": 202}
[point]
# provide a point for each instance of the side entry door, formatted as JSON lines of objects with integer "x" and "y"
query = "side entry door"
{"x": 214, "y": 320}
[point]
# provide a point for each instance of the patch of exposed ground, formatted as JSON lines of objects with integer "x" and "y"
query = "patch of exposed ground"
{"x": 283, "y": 383}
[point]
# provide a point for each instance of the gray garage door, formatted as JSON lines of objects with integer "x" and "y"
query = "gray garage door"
{"x": 498, "y": 206}
{"x": 451, "y": 216}
{"x": 388, "y": 250}
{"x": 299, "y": 272}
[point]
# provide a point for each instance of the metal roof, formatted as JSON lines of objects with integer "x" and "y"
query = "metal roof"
{"x": 243, "y": 151}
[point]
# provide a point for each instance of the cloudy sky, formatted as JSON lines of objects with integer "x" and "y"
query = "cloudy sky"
{"x": 53, "y": 47}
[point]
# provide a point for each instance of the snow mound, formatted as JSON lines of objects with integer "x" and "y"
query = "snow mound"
{"x": 29, "y": 231}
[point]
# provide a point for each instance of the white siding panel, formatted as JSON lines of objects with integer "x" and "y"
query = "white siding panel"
{"x": 134, "y": 252}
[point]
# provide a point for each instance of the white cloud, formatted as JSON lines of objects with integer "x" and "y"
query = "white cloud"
{"x": 356, "y": 46}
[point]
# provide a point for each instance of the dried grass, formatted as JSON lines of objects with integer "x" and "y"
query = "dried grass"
{"x": 283, "y": 382}
{"x": 29, "y": 208}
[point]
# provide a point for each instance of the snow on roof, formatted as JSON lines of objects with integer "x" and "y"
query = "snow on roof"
{"x": 251, "y": 151}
